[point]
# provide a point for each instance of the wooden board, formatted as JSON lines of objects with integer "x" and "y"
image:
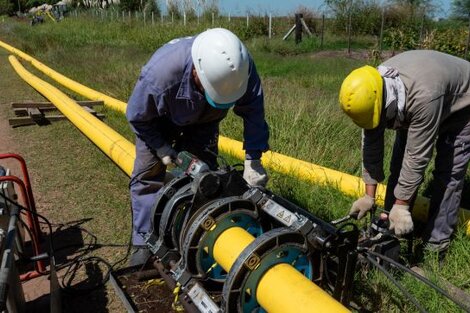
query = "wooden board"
{"x": 27, "y": 120}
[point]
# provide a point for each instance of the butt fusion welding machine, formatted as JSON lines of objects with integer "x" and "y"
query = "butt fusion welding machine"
{"x": 225, "y": 243}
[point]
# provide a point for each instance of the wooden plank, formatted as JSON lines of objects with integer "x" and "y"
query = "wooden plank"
{"x": 90, "y": 110}
{"x": 43, "y": 105}
{"x": 35, "y": 113}
{"x": 306, "y": 27}
{"x": 28, "y": 120}
{"x": 21, "y": 121}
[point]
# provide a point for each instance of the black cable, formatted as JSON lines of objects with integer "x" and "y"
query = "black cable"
{"x": 74, "y": 264}
{"x": 396, "y": 283}
{"x": 417, "y": 276}
{"x": 51, "y": 244}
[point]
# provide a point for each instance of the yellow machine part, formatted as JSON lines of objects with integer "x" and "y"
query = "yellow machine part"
{"x": 282, "y": 289}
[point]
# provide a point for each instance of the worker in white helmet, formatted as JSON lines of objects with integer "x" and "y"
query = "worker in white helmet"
{"x": 182, "y": 94}
{"x": 425, "y": 96}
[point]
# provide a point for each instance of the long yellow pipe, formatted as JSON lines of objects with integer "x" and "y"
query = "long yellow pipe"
{"x": 309, "y": 172}
{"x": 315, "y": 174}
{"x": 116, "y": 147}
{"x": 67, "y": 82}
{"x": 282, "y": 289}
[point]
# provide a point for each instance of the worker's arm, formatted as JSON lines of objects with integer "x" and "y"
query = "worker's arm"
{"x": 251, "y": 108}
{"x": 372, "y": 157}
{"x": 372, "y": 169}
{"x": 422, "y": 132}
{"x": 142, "y": 114}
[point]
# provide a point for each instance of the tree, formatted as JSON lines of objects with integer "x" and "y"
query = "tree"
{"x": 6, "y": 7}
{"x": 461, "y": 8}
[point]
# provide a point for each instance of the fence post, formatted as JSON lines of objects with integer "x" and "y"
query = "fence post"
{"x": 184, "y": 18}
{"x": 145, "y": 17}
{"x": 153, "y": 18}
{"x": 229, "y": 17}
{"x": 298, "y": 28}
{"x": 322, "y": 30}
{"x": 422, "y": 27}
{"x": 213, "y": 18}
{"x": 130, "y": 17}
{"x": 349, "y": 28}
{"x": 270, "y": 25}
{"x": 247, "y": 20}
{"x": 382, "y": 30}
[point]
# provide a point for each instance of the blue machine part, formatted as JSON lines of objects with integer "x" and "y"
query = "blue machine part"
{"x": 289, "y": 254}
{"x": 239, "y": 219}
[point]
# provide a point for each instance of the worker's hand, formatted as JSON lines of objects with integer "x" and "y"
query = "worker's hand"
{"x": 400, "y": 219}
{"x": 361, "y": 206}
{"x": 254, "y": 173}
{"x": 167, "y": 154}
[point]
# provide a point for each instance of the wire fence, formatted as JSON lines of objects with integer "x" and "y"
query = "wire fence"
{"x": 321, "y": 32}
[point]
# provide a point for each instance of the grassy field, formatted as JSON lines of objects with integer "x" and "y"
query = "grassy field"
{"x": 75, "y": 180}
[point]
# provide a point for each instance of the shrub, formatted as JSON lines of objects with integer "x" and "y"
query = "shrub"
{"x": 6, "y": 8}
{"x": 449, "y": 41}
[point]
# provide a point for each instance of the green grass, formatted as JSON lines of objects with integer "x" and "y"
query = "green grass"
{"x": 300, "y": 87}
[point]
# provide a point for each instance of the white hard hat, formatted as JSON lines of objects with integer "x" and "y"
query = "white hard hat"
{"x": 222, "y": 63}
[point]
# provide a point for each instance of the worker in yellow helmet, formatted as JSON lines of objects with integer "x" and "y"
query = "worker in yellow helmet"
{"x": 424, "y": 96}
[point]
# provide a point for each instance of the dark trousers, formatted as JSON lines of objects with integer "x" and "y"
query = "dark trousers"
{"x": 148, "y": 175}
{"x": 451, "y": 163}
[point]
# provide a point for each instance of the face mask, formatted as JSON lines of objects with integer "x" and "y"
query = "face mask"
{"x": 222, "y": 106}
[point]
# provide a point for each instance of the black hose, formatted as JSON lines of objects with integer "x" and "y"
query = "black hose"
{"x": 419, "y": 277}
{"x": 396, "y": 283}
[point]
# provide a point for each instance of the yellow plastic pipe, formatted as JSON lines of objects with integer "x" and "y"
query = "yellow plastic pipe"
{"x": 67, "y": 82}
{"x": 282, "y": 289}
{"x": 309, "y": 172}
{"x": 116, "y": 147}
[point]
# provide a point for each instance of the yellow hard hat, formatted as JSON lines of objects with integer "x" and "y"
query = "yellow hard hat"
{"x": 360, "y": 96}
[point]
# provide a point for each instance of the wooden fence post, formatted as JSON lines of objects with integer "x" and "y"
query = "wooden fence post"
{"x": 270, "y": 25}
{"x": 298, "y": 28}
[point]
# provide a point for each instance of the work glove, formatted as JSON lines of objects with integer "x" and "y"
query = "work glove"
{"x": 254, "y": 173}
{"x": 361, "y": 206}
{"x": 400, "y": 219}
{"x": 167, "y": 154}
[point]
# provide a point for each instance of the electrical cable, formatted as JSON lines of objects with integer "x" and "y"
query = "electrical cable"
{"x": 75, "y": 263}
{"x": 417, "y": 276}
{"x": 397, "y": 284}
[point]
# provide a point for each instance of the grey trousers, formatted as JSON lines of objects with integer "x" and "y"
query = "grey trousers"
{"x": 451, "y": 163}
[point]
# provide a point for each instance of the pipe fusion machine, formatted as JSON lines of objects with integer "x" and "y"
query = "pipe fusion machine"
{"x": 230, "y": 247}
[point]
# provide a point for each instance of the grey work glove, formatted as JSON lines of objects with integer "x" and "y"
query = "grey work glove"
{"x": 254, "y": 173}
{"x": 362, "y": 206}
{"x": 167, "y": 154}
{"x": 400, "y": 219}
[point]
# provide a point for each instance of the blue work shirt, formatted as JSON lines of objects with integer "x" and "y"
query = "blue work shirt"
{"x": 166, "y": 89}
